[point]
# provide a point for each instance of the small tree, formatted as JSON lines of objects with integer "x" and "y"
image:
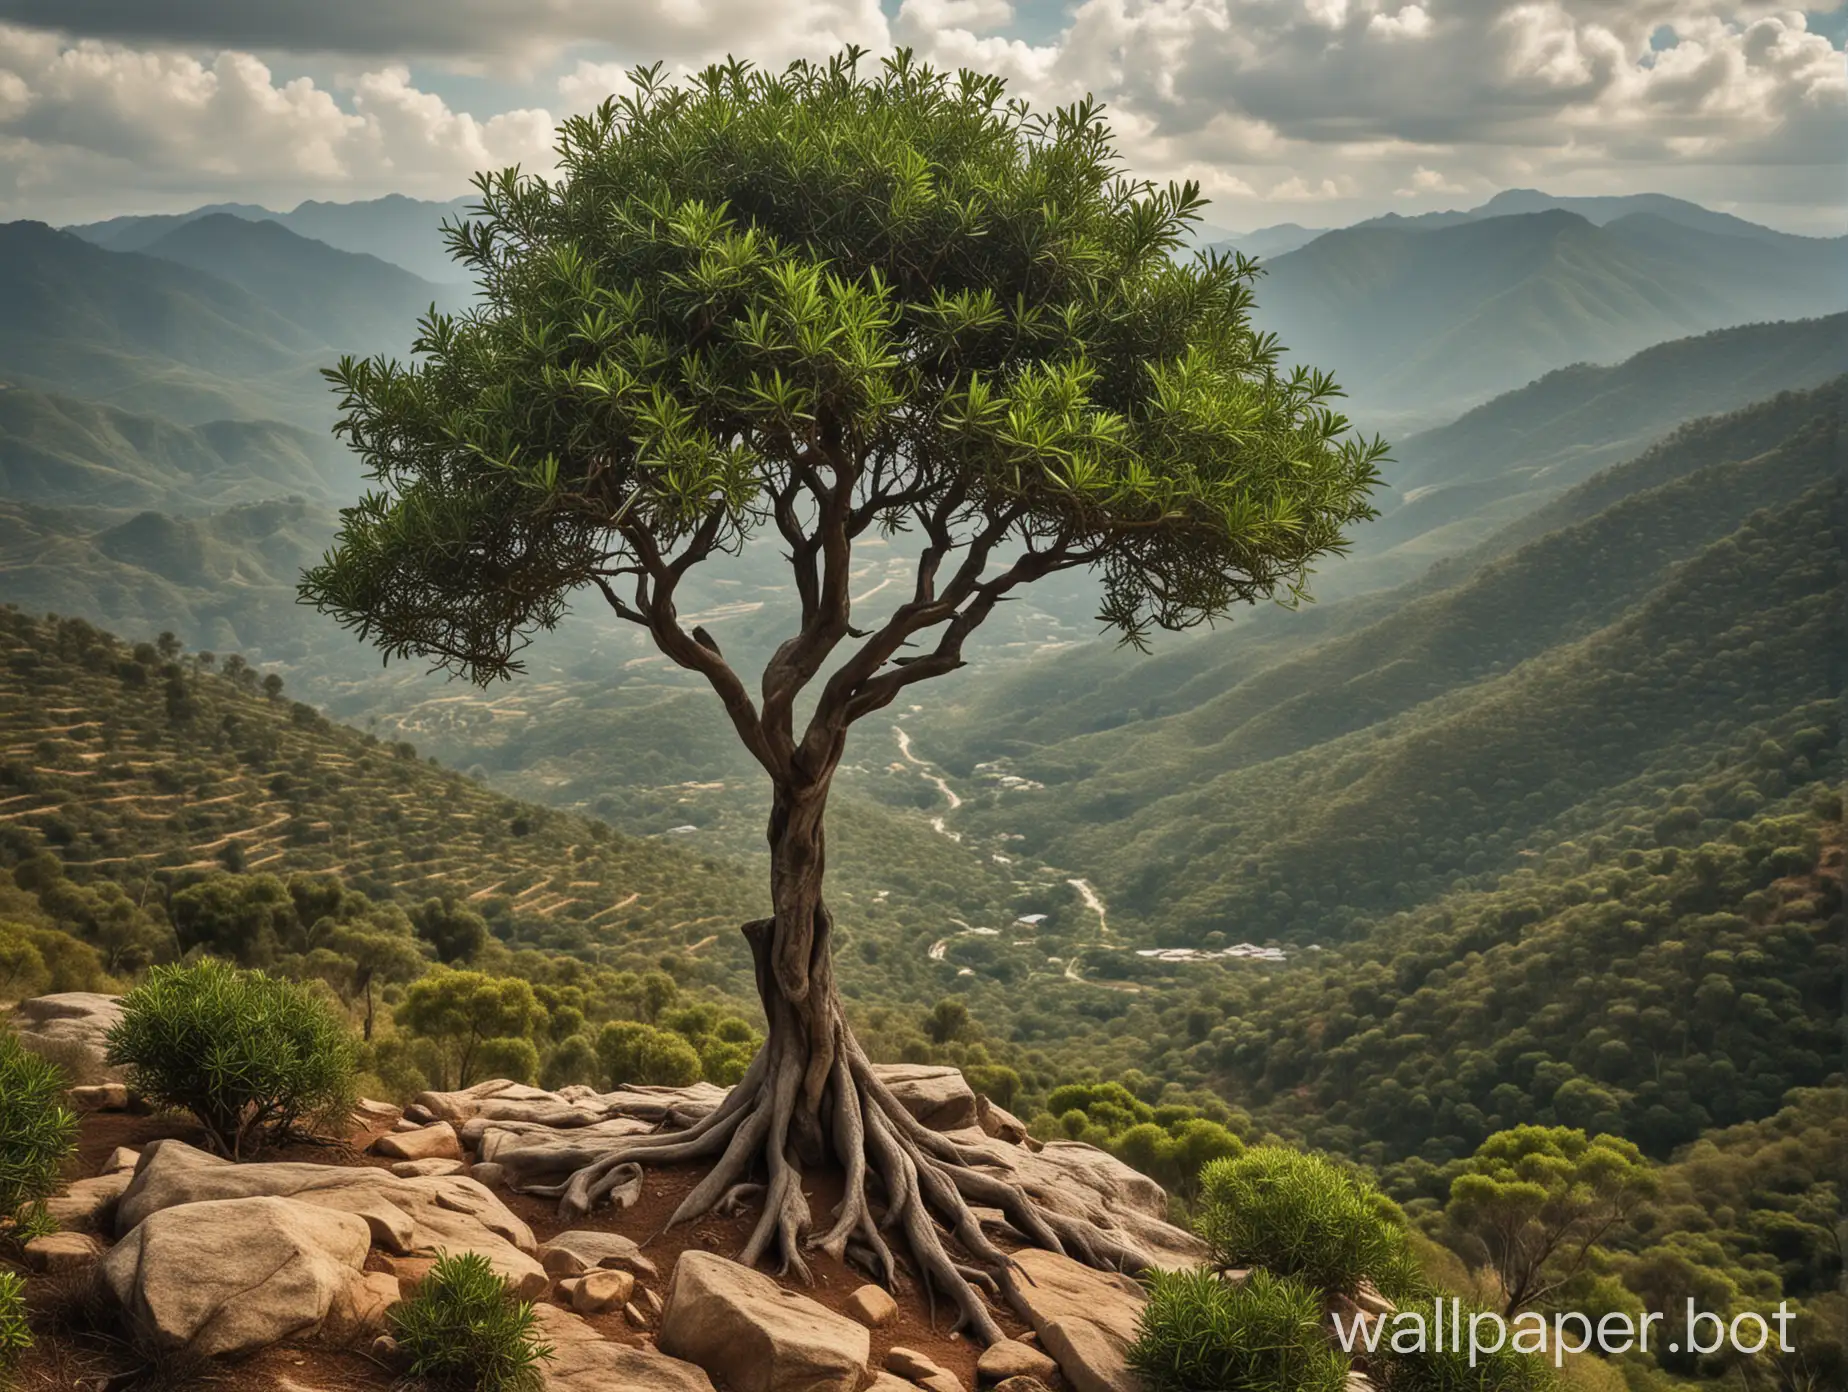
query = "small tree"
{"x": 1536, "y": 1200}
{"x": 462, "y": 1010}
{"x": 827, "y": 304}
{"x": 254, "y": 1058}
{"x": 464, "y": 1329}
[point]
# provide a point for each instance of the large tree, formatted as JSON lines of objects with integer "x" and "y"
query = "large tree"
{"x": 813, "y": 306}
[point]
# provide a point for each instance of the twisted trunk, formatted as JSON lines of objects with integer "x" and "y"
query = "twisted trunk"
{"x": 811, "y": 1098}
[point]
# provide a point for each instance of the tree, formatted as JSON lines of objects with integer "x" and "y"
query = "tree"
{"x": 462, "y": 1010}
{"x": 1538, "y": 1198}
{"x": 819, "y": 305}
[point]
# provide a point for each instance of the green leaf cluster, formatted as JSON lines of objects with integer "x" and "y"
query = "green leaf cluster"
{"x": 464, "y": 1329}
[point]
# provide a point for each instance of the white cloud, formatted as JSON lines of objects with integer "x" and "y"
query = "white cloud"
{"x": 1367, "y": 98}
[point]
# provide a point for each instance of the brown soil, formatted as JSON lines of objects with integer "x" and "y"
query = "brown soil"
{"x": 78, "y": 1346}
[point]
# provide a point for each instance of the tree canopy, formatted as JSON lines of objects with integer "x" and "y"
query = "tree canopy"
{"x": 831, "y": 303}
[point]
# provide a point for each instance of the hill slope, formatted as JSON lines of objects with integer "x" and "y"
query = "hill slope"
{"x": 353, "y": 303}
{"x": 1412, "y": 319}
{"x": 59, "y": 450}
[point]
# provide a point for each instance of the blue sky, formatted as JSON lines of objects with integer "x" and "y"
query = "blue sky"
{"x": 1313, "y": 111}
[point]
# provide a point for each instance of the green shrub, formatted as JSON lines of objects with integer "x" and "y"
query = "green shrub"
{"x": 1201, "y": 1334}
{"x": 255, "y": 1058}
{"x": 510, "y": 1057}
{"x": 1448, "y": 1369}
{"x": 37, "y": 1132}
{"x": 636, "y": 1053}
{"x": 1298, "y": 1213}
{"x": 15, "y": 1332}
{"x": 464, "y": 1329}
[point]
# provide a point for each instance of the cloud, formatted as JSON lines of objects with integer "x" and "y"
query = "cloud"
{"x": 1296, "y": 97}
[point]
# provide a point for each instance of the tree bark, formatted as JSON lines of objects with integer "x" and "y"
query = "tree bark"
{"x": 811, "y": 1098}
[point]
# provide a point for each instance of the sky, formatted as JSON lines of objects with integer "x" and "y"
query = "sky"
{"x": 1320, "y": 112}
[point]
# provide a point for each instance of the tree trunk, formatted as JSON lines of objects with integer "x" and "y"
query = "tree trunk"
{"x": 811, "y": 1098}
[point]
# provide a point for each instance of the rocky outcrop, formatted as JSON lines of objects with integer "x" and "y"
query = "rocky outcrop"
{"x": 226, "y": 1277}
{"x": 573, "y": 1253}
{"x": 449, "y": 1213}
{"x": 753, "y": 1335}
{"x": 434, "y": 1142}
{"x": 935, "y": 1094}
{"x": 1085, "y": 1319}
{"x": 72, "y": 1018}
{"x": 584, "y": 1361}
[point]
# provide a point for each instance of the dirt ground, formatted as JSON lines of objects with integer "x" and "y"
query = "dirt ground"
{"x": 78, "y": 1346}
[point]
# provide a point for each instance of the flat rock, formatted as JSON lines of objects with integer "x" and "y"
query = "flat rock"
{"x": 1081, "y": 1181}
{"x": 58, "y": 1253}
{"x": 425, "y": 1169}
{"x": 1086, "y": 1319}
{"x": 409, "y": 1216}
{"x": 602, "y": 1365}
{"x": 872, "y": 1306}
{"x": 1008, "y": 1358}
{"x": 100, "y": 1097}
{"x": 83, "y": 1018}
{"x": 935, "y": 1094}
{"x": 437, "y": 1141}
{"x": 227, "y": 1277}
{"x": 371, "y": 1112}
{"x": 909, "y": 1363}
{"x": 1020, "y": 1384}
{"x": 580, "y": 1250}
{"x": 751, "y": 1334}
{"x": 88, "y": 1203}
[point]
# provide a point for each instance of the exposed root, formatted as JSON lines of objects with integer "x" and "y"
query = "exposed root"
{"x": 906, "y": 1206}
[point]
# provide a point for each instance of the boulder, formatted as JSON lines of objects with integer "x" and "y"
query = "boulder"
{"x": 501, "y": 1100}
{"x": 444, "y": 1213}
{"x": 121, "y": 1160}
{"x": 1009, "y": 1358}
{"x": 80, "y": 1018}
{"x": 1020, "y": 1384}
{"x": 580, "y": 1250}
{"x": 1086, "y": 1319}
{"x": 229, "y": 1276}
{"x": 602, "y": 1365}
{"x": 434, "y": 1142}
{"x": 425, "y": 1169}
{"x": 935, "y": 1094}
{"x": 88, "y": 1203}
{"x": 100, "y": 1097}
{"x": 362, "y": 1308}
{"x": 370, "y": 1113}
{"x": 58, "y": 1253}
{"x": 598, "y": 1292}
{"x": 872, "y": 1306}
{"x": 1002, "y": 1124}
{"x": 920, "y": 1371}
{"x": 751, "y": 1334}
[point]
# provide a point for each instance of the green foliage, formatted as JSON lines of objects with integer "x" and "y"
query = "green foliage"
{"x": 255, "y": 1059}
{"x": 510, "y": 1057}
{"x": 1170, "y": 1143}
{"x": 15, "y": 1331}
{"x": 37, "y": 1134}
{"x": 1537, "y": 1199}
{"x": 463, "y": 1010}
{"x": 464, "y": 1329}
{"x": 1445, "y": 1368}
{"x": 632, "y": 1052}
{"x": 1298, "y": 1213}
{"x": 960, "y": 285}
{"x": 1199, "y": 1333}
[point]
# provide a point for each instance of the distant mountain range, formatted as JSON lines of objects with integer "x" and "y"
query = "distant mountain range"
{"x": 214, "y": 317}
{"x": 1429, "y": 322}
{"x": 1288, "y": 236}
{"x": 404, "y": 231}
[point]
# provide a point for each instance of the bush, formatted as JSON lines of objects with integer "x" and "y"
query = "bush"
{"x": 255, "y": 1058}
{"x": 1448, "y": 1369}
{"x": 1297, "y": 1213}
{"x": 1202, "y": 1334}
{"x": 37, "y": 1132}
{"x": 15, "y": 1333}
{"x": 464, "y": 1329}
{"x": 636, "y": 1053}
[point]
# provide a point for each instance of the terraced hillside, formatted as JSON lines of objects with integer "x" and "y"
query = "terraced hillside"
{"x": 134, "y": 763}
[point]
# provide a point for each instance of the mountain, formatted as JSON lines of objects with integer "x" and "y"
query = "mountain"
{"x": 1411, "y": 320}
{"x": 1604, "y": 209}
{"x": 1438, "y": 738}
{"x": 406, "y": 232}
{"x": 1452, "y": 487}
{"x": 350, "y": 301}
{"x": 148, "y": 335}
{"x": 59, "y": 450}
